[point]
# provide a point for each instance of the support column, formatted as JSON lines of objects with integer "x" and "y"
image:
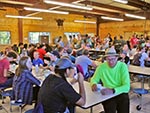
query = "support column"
{"x": 20, "y": 30}
{"x": 97, "y": 26}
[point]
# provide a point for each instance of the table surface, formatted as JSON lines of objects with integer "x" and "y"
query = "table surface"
{"x": 92, "y": 98}
{"x": 139, "y": 70}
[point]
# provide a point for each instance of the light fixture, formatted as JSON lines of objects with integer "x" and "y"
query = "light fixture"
{"x": 121, "y": 1}
{"x": 24, "y": 17}
{"x": 16, "y": 2}
{"x": 46, "y": 11}
{"x": 111, "y": 18}
{"x": 135, "y": 16}
{"x": 84, "y": 21}
{"x": 68, "y": 5}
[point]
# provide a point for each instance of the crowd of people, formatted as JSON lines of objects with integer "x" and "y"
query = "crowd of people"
{"x": 72, "y": 60}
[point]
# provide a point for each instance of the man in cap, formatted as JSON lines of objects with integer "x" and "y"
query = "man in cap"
{"x": 114, "y": 76}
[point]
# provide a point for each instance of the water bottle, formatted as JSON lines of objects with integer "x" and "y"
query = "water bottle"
{"x": 36, "y": 68}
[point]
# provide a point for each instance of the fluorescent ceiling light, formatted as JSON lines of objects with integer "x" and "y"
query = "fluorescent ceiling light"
{"x": 68, "y": 5}
{"x": 24, "y": 17}
{"x": 84, "y": 21}
{"x": 15, "y": 2}
{"x": 121, "y": 1}
{"x": 46, "y": 11}
{"x": 135, "y": 16}
{"x": 110, "y": 18}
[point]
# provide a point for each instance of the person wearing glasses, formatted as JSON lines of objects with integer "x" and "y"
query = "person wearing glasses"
{"x": 114, "y": 76}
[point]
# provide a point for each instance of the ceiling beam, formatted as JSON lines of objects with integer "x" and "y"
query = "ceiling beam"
{"x": 87, "y": 2}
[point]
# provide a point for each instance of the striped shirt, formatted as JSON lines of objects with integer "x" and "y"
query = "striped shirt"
{"x": 23, "y": 87}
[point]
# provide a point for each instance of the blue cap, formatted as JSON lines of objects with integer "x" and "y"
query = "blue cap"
{"x": 64, "y": 63}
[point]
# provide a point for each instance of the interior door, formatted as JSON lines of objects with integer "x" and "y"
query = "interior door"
{"x": 44, "y": 39}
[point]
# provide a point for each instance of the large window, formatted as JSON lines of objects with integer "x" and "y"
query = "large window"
{"x": 4, "y": 37}
{"x": 35, "y": 37}
{"x": 71, "y": 34}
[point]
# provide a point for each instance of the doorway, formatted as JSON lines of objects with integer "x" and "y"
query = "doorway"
{"x": 44, "y": 39}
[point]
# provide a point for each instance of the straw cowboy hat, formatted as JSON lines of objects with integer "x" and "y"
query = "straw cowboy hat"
{"x": 111, "y": 52}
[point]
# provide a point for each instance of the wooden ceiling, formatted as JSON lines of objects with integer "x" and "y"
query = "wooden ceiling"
{"x": 100, "y": 7}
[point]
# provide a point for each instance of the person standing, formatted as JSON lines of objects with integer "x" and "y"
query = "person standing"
{"x": 114, "y": 76}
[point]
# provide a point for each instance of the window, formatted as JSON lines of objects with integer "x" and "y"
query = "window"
{"x": 71, "y": 34}
{"x": 4, "y": 37}
{"x": 35, "y": 37}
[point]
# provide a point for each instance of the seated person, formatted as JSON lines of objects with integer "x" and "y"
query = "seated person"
{"x": 46, "y": 66}
{"x": 71, "y": 57}
{"x": 56, "y": 94}
{"x": 6, "y": 78}
{"x": 37, "y": 61}
{"x": 124, "y": 58}
{"x": 23, "y": 82}
{"x": 54, "y": 56}
{"x": 84, "y": 61}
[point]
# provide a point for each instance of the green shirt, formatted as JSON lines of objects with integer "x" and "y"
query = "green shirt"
{"x": 116, "y": 78}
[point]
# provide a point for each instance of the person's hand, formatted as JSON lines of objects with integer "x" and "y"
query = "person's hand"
{"x": 107, "y": 91}
{"x": 94, "y": 87}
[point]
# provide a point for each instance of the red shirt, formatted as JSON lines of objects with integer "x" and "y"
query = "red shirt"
{"x": 4, "y": 64}
{"x": 134, "y": 41}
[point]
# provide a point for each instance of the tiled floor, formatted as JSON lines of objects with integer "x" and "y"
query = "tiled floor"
{"x": 134, "y": 101}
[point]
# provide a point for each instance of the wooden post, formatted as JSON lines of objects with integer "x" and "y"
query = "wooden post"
{"x": 97, "y": 26}
{"x": 20, "y": 30}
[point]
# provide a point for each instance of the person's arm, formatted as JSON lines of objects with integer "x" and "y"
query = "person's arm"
{"x": 32, "y": 79}
{"x": 95, "y": 79}
{"x": 82, "y": 100}
{"x": 5, "y": 73}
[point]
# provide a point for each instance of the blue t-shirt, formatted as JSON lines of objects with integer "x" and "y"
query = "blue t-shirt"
{"x": 38, "y": 62}
{"x": 84, "y": 62}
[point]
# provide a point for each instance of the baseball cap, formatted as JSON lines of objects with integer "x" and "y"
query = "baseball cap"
{"x": 64, "y": 63}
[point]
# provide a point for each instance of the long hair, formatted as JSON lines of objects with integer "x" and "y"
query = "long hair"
{"x": 61, "y": 72}
{"x": 22, "y": 65}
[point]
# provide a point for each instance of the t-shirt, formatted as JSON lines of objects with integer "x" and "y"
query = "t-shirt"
{"x": 38, "y": 62}
{"x": 55, "y": 93}
{"x": 4, "y": 64}
{"x": 84, "y": 62}
{"x": 116, "y": 77}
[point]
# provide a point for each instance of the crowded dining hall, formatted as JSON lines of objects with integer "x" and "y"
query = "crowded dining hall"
{"x": 74, "y": 56}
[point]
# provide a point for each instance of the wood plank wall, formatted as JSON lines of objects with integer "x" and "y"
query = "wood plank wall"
{"x": 123, "y": 28}
{"x": 49, "y": 24}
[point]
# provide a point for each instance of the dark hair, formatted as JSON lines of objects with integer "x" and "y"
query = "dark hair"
{"x": 12, "y": 54}
{"x": 60, "y": 72}
{"x": 85, "y": 52}
{"x": 22, "y": 65}
{"x": 20, "y": 44}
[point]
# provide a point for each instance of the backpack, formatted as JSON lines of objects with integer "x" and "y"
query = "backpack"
{"x": 136, "y": 59}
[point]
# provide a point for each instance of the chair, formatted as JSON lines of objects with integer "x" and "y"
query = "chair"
{"x": 29, "y": 111}
{"x": 5, "y": 92}
{"x": 141, "y": 91}
{"x": 19, "y": 104}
